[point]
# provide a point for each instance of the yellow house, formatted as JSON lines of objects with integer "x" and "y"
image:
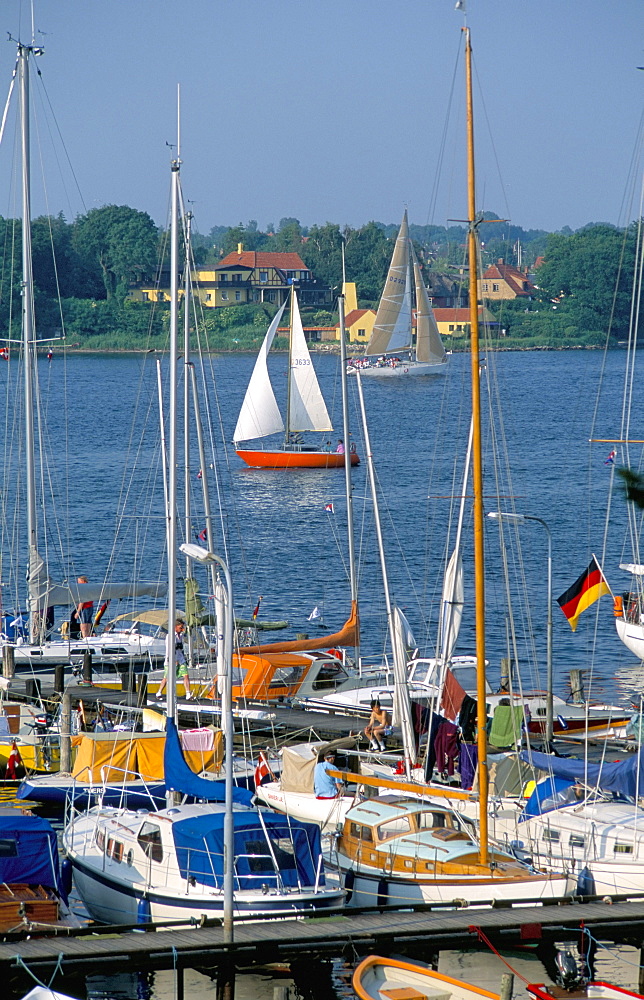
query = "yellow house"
{"x": 245, "y": 276}
{"x": 358, "y": 323}
{"x": 456, "y": 322}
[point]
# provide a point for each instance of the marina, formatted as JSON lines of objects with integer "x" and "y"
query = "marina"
{"x": 296, "y": 703}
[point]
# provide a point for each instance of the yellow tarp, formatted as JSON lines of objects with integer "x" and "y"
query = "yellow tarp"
{"x": 119, "y": 756}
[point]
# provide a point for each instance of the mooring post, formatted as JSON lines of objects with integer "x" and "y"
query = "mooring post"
{"x": 59, "y": 678}
{"x": 507, "y": 986}
{"x": 8, "y": 662}
{"x": 504, "y": 684}
{"x": 66, "y": 733}
{"x": 577, "y": 687}
{"x": 87, "y": 667}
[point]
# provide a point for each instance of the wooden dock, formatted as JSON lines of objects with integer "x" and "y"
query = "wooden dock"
{"x": 263, "y": 942}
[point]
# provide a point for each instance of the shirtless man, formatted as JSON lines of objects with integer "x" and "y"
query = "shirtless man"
{"x": 379, "y": 720}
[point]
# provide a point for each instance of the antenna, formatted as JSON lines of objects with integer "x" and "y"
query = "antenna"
{"x": 178, "y": 120}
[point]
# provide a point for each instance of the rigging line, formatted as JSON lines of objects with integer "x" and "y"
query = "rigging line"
{"x": 8, "y": 101}
{"x": 41, "y": 84}
{"x": 431, "y": 211}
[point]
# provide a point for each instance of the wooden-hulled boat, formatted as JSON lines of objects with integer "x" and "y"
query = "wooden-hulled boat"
{"x": 399, "y": 851}
{"x": 377, "y": 978}
{"x": 305, "y": 409}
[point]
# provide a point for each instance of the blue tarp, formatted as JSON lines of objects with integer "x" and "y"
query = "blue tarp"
{"x": 199, "y": 842}
{"x": 624, "y": 778}
{"x": 547, "y": 789}
{"x": 179, "y": 777}
{"x": 28, "y": 851}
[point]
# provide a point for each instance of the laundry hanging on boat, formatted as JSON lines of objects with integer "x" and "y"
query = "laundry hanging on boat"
{"x": 467, "y": 719}
{"x": 435, "y": 722}
{"x": 507, "y": 724}
{"x": 446, "y": 747}
{"x": 468, "y": 762}
{"x": 452, "y": 696}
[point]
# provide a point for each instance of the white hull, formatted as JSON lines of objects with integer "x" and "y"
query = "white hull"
{"x": 405, "y": 369}
{"x": 327, "y": 813}
{"x": 632, "y": 636}
{"x": 112, "y": 648}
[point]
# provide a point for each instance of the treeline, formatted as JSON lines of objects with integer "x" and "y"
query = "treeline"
{"x": 84, "y": 269}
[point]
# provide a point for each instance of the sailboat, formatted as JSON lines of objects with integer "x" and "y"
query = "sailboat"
{"x": 392, "y": 351}
{"x": 44, "y": 594}
{"x": 305, "y": 408}
{"x": 225, "y": 859}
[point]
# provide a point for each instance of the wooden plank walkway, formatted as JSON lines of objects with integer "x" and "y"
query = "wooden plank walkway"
{"x": 258, "y": 943}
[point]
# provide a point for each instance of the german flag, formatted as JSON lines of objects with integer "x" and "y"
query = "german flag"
{"x": 585, "y": 591}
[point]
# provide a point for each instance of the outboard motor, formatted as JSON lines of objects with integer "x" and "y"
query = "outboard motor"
{"x": 568, "y": 974}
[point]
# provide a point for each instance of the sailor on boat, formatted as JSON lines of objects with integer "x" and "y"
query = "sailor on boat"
{"x": 324, "y": 785}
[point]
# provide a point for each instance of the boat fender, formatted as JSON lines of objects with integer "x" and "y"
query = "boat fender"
{"x": 349, "y": 880}
{"x": 66, "y": 876}
{"x": 618, "y": 606}
{"x": 586, "y": 883}
{"x": 383, "y": 892}
{"x": 143, "y": 912}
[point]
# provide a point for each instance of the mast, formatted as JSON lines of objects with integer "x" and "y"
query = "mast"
{"x": 28, "y": 325}
{"x": 171, "y": 513}
{"x": 353, "y": 580}
{"x": 287, "y": 422}
{"x": 187, "y": 218}
{"x": 477, "y": 467}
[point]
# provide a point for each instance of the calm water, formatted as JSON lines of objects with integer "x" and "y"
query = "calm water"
{"x": 104, "y": 502}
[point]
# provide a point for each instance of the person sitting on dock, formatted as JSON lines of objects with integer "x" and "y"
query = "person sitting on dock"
{"x": 379, "y": 722}
{"x": 324, "y": 785}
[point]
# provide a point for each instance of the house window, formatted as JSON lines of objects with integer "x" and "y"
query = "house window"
{"x": 362, "y": 333}
{"x": 451, "y": 328}
{"x": 263, "y": 277}
{"x": 271, "y": 296}
{"x": 223, "y": 277}
{"x": 224, "y": 296}
{"x": 237, "y": 296}
{"x": 145, "y": 296}
{"x": 236, "y": 279}
{"x": 160, "y": 296}
{"x": 495, "y": 287}
{"x": 208, "y": 296}
{"x": 485, "y": 286}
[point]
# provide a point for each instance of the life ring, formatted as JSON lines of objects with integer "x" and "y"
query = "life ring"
{"x": 335, "y": 652}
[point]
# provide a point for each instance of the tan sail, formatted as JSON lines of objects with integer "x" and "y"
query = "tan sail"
{"x": 392, "y": 326}
{"x": 429, "y": 346}
{"x": 347, "y": 636}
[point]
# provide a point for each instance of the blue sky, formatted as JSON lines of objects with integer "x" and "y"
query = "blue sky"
{"x": 334, "y": 110}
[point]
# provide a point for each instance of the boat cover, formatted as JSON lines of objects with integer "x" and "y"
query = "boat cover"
{"x": 118, "y": 756}
{"x": 295, "y": 846}
{"x": 179, "y": 777}
{"x": 624, "y": 778}
{"x": 29, "y": 850}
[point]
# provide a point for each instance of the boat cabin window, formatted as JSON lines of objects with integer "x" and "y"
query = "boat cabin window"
{"x": 577, "y": 840}
{"x": 150, "y": 840}
{"x": 115, "y": 849}
{"x": 361, "y": 832}
{"x": 259, "y": 857}
{"x": 8, "y": 847}
{"x": 431, "y": 820}
{"x": 394, "y": 827}
{"x": 330, "y": 675}
{"x": 100, "y": 839}
{"x": 551, "y": 835}
{"x": 286, "y": 676}
{"x": 623, "y": 848}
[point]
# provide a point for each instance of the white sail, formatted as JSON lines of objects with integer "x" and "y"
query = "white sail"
{"x": 392, "y": 326}
{"x": 451, "y": 606}
{"x": 260, "y": 415}
{"x": 308, "y": 410}
{"x": 402, "y": 704}
{"x": 45, "y": 593}
{"x": 429, "y": 346}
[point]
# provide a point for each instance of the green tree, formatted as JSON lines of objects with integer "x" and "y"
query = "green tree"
{"x": 590, "y": 272}
{"x": 322, "y": 254}
{"x": 119, "y": 243}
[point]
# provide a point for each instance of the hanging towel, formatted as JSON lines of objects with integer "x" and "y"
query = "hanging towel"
{"x": 197, "y": 739}
{"x": 468, "y": 763}
{"x": 435, "y": 723}
{"x": 446, "y": 747}
{"x": 505, "y": 730}
{"x": 452, "y": 695}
